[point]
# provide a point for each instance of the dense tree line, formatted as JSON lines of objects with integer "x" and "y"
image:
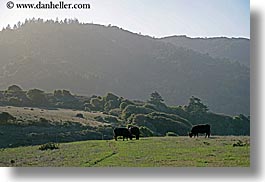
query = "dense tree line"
{"x": 153, "y": 116}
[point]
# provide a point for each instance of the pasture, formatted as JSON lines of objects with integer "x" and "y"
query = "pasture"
{"x": 217, "y": 151}
{"x": 33, "y": 115}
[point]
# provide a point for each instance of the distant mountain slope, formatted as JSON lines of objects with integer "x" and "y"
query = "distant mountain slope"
{"x": 94, "y": 59}
{"x": 234, "y": 49}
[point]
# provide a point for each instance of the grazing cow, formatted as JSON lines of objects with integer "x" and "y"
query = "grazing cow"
{"x": 134, "y": 131}
{"x": 124, "y": 132}
{"x": 202, "y": 128}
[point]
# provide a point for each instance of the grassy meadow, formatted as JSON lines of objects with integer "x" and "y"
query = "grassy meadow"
{"x": 217, "y": 151}
{"x": 34, "y": 114}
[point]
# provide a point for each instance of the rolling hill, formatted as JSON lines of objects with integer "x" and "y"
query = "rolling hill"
{"x": 95, "y": 59}
{"x": 234, "y": 49}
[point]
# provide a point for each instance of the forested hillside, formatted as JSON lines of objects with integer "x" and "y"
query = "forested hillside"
{"x": 94, "y": 59}
{"x": 234, "y": 49}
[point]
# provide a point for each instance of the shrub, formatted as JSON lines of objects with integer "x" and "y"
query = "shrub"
{"x": 110, "y": 96}
{"x": 115, "y": 112}
{"x": 125, "y": 103}
{"x": 160, "y": 124}
{"x": 239, "y": 143}
{"x": 99, "y": 118}
{"x": 49, "y": 146}
{"x": 14, "y": 101}
{"x": 170, "y": 133}
{"x": 150, "y": 106}
{"x": 132, "y": 109}
{"x": 111, "y": 119}
{"x": 79, "y": 115}
{"x": 111, "y": 104}
{"x": 37, "y": 97}
{"x": 5, "y": 116}
{"x": 97, "y": 104}
{"x": 146, "y": 132}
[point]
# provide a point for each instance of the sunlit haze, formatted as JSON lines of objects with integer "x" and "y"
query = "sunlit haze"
{"x": 160, "y": 18}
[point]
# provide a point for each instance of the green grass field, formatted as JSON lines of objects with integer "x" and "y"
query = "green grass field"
{"x": 218, "y": 151}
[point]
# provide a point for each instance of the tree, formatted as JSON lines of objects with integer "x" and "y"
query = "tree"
{"x": 18, "y": 24}
{"x": 37, "y": 97}
{"x": 14, "y": 88}
{"x": 97, "y": 104}
{"x": 76, "y": 21}
{"x": 8, "y": 27}
{"x": 67, "y": 93}
{"x": 110, "y": 96}
{"x": 65, "y": 21}
{"x": 196, "y": 106}
{"x": 155, "y": 98}
{"x": 111, "y": 101}
{"x": 14, "y": 101}
{"x": 58, "y": 93}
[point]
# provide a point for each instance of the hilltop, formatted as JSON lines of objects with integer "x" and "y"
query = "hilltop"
{"x": 233, "y": 49}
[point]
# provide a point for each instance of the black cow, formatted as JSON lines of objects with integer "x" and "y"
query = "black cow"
{"x": 124, "y": 132}
{"x": 134, "y": 131}
{"x": 202, "y": 128}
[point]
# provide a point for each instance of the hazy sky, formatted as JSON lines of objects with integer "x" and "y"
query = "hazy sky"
{"x": 195, "y": 18}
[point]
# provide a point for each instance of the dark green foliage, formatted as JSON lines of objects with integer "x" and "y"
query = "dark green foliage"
{"x": 58, "y": 94}
{"x": 222, "y": 124}
{"x": 110, "y": 96}
{"x": 97, "y": 104}
{"x": 160, "y": 125}
{"x": 99, "y": 118}
{"x": 155, "y": 98}
{"x": 111, "y": 119}
{"x": 115, "y": 112}
{"x": 14, "y": 88}
{"x": 150, "y": 106}
{"x": 196, "y": 106}
{"x": 125, "y": 103}
{"x": 15, "y": 101}
{"x": 156, "y": 103}
{"x": 153, "y": 118}
{"x": 88, "y": 107}
{"x": 5, "y": 117}
{"x": 160, "y": 107}
{"x": 63, "y": 95}
{"x": 111, "y": 104}
{"x": 145, "y": 132}
{"x": 177, "y": 110}
{"x": 133, "y": 109}
{"x": 35, "y": 133}
{"x": 66, "y": 93}
{"x": 107, "y": 119}
{"x": 64, "y": 99}
{"x": 49, "y": 146}
{"x": 37, "y": 97}
{"x": 170, "y": 116}
{"x": 106, "y": 132}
